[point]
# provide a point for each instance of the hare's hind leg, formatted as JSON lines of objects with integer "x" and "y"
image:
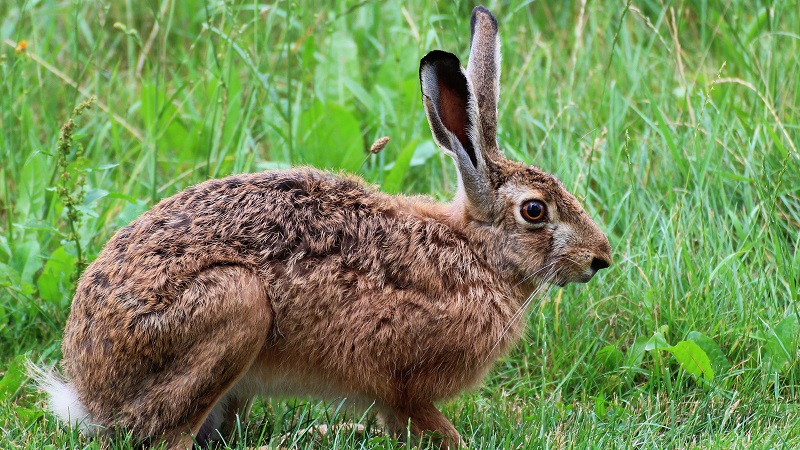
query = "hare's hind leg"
{"x": 226, "y": 317}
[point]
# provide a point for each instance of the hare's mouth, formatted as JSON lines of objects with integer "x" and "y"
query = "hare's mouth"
{"x": 561, "y": 283}
{"x": 561, "y": 280}
{"x": 580, "y": 277}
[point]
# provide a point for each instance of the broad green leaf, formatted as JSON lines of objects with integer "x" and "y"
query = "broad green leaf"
{"x": 234, "y": 113}
{"x": 657, "y": 341}
{"x": 781, "y": 345}
{"x": 399, "y": 168}
{"x": 107, "y": 166}
{"x": 5, "y": 250}
{"x": 8, "y": 275}
{"x": 133, "y": 208}
{"x": 339, "y": 63}
{"x": 393, "y": 75}
{"x": 87, "y": 211}
{"x": 307, "y": 54}
{"x": 360, "y": 94}
{"x": 600, "y": 405}
{"x": 30, "y": 415}
{"x": 719, "y": 362}
{"x": 332, "y": 138}
{"x": 32, "y": 187}
{"x": 93, "y": 195}
{"x": 54, "y": 282}
{"x": 423, "y": 153}
{"x": 693, "y": 359}
{"x": 13, "y": 378}
{"x": 793, "y": 275}
{"x": 635, "y": 353}
{"x": 610, "y": 357}
{"x": 26, "y": 260}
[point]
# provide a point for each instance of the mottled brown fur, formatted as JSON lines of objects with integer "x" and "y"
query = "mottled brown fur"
{"x": 303, "y": 282}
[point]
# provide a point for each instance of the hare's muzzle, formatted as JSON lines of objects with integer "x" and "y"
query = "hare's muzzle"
{"x": 600, "y": 264}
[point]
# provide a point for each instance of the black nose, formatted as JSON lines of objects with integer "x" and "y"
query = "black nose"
{"x": 599, "y": 263}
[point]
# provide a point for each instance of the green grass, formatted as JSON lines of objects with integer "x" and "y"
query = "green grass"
{"x": 676, "y": 123}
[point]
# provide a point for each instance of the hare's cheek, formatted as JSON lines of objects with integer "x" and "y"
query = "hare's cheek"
{"x": 563, "y": 237}
{"x": 529, "y": 249}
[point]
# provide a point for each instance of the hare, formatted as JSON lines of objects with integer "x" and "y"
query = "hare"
{"x": 307, "y": 283}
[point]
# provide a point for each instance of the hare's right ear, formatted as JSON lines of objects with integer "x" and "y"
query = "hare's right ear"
{"x": 452, "y": 114}
{"x": 483, "y": 71}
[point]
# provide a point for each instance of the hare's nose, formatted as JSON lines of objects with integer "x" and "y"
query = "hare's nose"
{"x": 599, "y": 263}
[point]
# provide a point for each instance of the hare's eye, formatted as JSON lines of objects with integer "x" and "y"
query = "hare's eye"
{"x": 534, "y": 211}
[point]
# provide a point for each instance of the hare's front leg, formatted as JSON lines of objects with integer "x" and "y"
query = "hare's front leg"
{"x": 425, "y": 421}
{"x": 222, "y": 322}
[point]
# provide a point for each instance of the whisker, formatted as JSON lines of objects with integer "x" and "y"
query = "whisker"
{"x": 544, "y": 285}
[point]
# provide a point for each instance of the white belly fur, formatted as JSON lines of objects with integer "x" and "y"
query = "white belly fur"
{"x": 275, "y": 383}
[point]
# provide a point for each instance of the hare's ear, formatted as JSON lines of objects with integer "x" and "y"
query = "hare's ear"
{"x": 450, "y": 107}
{"x": 483, "y": 71}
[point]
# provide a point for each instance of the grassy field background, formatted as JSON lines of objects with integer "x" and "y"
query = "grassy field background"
{"x": 676, "y": 123}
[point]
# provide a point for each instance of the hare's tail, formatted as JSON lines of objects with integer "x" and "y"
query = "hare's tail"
{"x": 62, "y": 397}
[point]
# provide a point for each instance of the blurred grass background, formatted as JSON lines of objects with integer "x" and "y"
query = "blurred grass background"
{"x": 675, "y": 122}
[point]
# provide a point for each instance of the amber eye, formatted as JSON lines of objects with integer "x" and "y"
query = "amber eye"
{"x": 534, "y": 211}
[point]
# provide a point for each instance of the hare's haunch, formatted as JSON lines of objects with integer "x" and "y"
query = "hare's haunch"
{"x": 306, "y": 283}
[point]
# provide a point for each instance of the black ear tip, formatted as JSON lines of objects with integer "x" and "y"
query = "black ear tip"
{"x": 444, "y": 67}
{"x": 482, "y": 11}
{"x": 438, "y": 55}
{"x": 439, "y": 58}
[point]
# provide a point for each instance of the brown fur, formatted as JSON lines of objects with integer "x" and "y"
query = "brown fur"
{"x": 303, "y": 282}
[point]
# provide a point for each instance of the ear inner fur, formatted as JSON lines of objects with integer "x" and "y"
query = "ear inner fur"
{"x": 453, "y": 98}
{"x": 453, "y": 110}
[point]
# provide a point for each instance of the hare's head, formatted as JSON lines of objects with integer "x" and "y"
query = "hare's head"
{"x": 540, "y": 230}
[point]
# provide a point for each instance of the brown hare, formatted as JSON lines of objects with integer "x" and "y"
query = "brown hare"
{"x": 307, "y": 283}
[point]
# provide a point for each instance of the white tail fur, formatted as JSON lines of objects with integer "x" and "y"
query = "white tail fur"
{"x": 62, "y": 399}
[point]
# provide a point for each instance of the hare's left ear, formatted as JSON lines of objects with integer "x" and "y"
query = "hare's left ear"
{"x": 450, "y": 107}
{"x": 483, "y": 71}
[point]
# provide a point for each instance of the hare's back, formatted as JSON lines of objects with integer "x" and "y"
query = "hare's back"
{"x": 245, "y": 220}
